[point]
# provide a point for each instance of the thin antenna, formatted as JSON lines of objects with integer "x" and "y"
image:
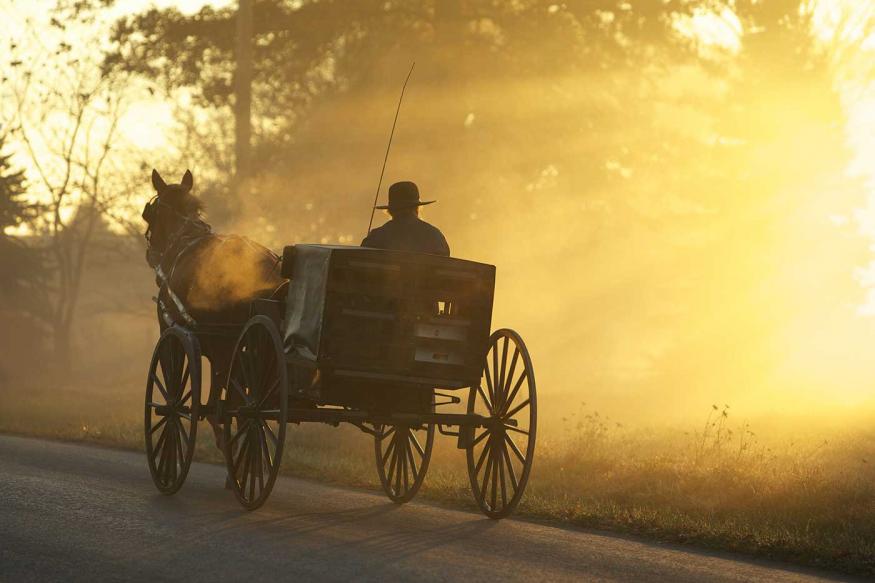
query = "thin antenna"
{"x": 388, "y": 147}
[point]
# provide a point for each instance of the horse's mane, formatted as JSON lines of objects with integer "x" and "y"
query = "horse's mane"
{"x": 183, "y": 202}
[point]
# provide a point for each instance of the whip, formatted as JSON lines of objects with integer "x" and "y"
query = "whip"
{"x": 388, "y": 147}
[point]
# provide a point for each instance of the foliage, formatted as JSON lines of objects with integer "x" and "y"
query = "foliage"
{"x": 22, "y": 267}
{"x": 686, "y": 188}
{"x": 63, "y": 118}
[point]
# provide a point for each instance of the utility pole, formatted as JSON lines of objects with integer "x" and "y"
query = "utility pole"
{"x": 243, "y": 94}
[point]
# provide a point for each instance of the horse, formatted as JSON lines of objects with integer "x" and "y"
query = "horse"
{"x": 204, "y": 278}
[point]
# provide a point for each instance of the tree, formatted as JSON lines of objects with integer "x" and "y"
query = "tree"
{"x": 646, "y": 185}
{"x": 23, "y": 271}
{"x": 64, "y": 121}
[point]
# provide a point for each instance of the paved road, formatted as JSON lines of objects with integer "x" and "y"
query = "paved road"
{"x": 69, "y": 512}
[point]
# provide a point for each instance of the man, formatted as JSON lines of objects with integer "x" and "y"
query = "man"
{"x": 406, "y": 231}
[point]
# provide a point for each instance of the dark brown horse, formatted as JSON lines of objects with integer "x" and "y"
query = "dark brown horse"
{"x": 206, "y": 281}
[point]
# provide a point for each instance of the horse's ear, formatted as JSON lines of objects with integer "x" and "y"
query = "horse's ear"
{"x": 157, "y": 181}
{"x": 187, "y": 180}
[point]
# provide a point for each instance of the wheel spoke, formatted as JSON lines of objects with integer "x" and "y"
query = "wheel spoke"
{"x": 390, "y": 475}
{"x": 388, "y": 433}
{"x": 182, "y": 429}
{"x": 493, "y": 385}
{"x": 247, "y": 455}
{"x": 170, "y": 463}
{"x": 273, "y": 387}
{"x": 404, "y": 452}
{"x": 511, "y": 472}
{"x": 266, "y": 450}
{"x": 416, "y": 443}
{"x": 515, "y": 449}
{"x": 270, "y": 432}
{"x": 479, "y": 439}
{"x": 490, "y": 399}
{"x": 240, "y": 454}
{"x": 516, "y": 409}
{"x": 494, "y": 479}
{"x": 163, "y": 459}
{"x": 513, "y": 361}
{"x": 160, "y": 443}
{"x": 516, "y": 389}
{"x": 158, "y": 425}
{"x": 486, "y": 473}
{"x": 260, "y": 466}
{"x": 501, "y": 476}
{"x": 500, "y": 389}
{"x": 486, "y": 399}
{"x": 389, "y": 449}
{"x": 246, "y": 367}
{"x": 240, "y": 431}
{"x": 161, "y": 388}
{"x": 516, "y": 429}
{"x": 236, "y": 385}
{"x": 413, "y": 467}
{"x": 393, "y": 466}
{"x": 180, "y": 451}
{"x": 253, "y": 461}
{"x": 483, "y": 453}
{"x": 184, "y": 381}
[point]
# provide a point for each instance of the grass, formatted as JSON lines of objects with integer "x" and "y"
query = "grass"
{"x": 720, "y": 485}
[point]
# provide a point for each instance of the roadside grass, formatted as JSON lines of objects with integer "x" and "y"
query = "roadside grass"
{"x": 804, "y": 499}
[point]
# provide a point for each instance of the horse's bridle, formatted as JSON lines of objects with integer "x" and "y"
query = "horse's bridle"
{"x": 150, "y": 214}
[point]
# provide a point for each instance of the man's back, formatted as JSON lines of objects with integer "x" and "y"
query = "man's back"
{"x": 408, "y": 233}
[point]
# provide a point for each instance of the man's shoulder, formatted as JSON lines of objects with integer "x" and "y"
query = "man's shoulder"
{"x": 431, "y": 228}
{"x": 375, "y": 235}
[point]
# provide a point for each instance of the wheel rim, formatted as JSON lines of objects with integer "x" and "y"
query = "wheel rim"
{"x": 501, "y": 454}
{"x": 255, "y": 412}
{"x": 171, "y": 411}
{"x": 403, "y": 454}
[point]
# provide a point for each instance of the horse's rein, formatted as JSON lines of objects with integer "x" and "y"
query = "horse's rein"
{"x": 172, "y": 242}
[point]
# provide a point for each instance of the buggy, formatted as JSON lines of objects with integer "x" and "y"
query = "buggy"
{"x": 386, "y": 341}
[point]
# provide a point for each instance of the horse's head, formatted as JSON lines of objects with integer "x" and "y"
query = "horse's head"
{"x": 170, "y": 209}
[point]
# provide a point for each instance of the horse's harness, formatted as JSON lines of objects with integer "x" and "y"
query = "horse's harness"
{"x": 179, "y": 243}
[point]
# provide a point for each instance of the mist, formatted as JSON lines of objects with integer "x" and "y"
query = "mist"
{"x": 676, "y": 208}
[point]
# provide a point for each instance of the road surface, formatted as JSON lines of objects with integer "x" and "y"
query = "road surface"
{"x": 70, "y": 512}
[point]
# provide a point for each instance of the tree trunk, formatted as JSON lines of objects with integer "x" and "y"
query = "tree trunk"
{"x": 62, "y": 339}
{"x": 243, "y": 94}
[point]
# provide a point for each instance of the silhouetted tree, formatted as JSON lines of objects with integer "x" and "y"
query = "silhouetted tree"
{"x": 22, "y": 267}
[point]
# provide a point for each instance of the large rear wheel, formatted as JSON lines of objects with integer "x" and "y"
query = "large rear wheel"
{"x": 173, "y": 392}
{"x": 255, "y": 412}
{"x": 501, "y": 453}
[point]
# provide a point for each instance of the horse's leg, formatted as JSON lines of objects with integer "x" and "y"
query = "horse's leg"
{"x": 219, "y": 362}
{"x": 213, "y": 350}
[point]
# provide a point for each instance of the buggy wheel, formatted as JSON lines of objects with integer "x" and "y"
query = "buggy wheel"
{"x": 500, "y": 455}
{"x": 255, "y": 411}
{"x": 402, "y": 459}
{"x": 173, "y": 393}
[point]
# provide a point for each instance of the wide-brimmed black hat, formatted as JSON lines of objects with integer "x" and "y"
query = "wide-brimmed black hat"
{"x": 404, "y": 195}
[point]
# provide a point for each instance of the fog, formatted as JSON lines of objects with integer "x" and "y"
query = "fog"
{"x": 674, "y": 223}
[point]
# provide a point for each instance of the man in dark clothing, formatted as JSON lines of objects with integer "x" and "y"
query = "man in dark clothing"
{"x": 406, "y": 231}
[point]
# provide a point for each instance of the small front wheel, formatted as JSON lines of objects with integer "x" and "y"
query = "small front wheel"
{"x": 173, "y": 393}
{"x": 255, "y": 412}
{"x": 402, "y": 459}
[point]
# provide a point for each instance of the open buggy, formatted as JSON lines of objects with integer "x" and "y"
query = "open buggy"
{"x": 382, "y": 340}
